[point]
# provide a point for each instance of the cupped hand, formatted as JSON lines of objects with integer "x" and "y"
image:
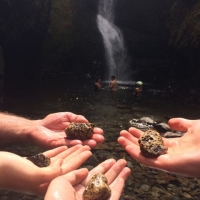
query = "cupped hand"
{"x": 183, "y": 153}
{"x": 72, "y": 185}
{"x": 49, "y": 132}
{"x": 22, "y": 175}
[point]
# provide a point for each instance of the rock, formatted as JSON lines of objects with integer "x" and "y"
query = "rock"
{"x": 147, "y": 120}
{"x": 170, "y": 134}
{"x": 162, "y": 127}
{"x": 151, "y": 144}
{"x": 144, "y": 123}
{"x": 145, "y": 188}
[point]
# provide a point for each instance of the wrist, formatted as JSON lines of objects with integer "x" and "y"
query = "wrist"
{"x": 12, "y": 177}
{"x": 14, "y": 128}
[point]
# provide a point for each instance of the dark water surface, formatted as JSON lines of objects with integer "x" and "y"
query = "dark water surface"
{"x": 109, "y": 111}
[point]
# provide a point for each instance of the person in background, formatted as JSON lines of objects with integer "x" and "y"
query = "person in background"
{"x": 138, "y": 91}
{"x": 113, "y": 84}
{"x": 183, "y": 153}
{"x": 97, "y": 85}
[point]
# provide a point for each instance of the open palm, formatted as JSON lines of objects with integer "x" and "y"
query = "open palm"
{"x": 49, "y": 132}
{"x": 72, "y": 185}
{"x": 182, "y": 155}
{"x": 20, "y": 174}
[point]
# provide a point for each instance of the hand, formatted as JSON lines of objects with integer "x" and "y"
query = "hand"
{"x": 183, "y": 153}
{"x": 49, "y": 132}
{"x": 72, "y": 185}
{"x": 20, "y": 174}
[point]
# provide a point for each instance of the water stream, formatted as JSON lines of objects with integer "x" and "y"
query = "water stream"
{"x": 115, "y": 51}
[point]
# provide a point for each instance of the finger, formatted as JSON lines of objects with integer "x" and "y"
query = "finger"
{"x": 129, "y": 137}
{"x": 124, "y": 174}
{"x": 68, "y": 152}
{"x": 71, "y": 117}
{"x": 62, "y": 184}
{"x": 71, "y": 143}
{"x": 118, "y": 184}
{"x": 75, "y": 177}
{"x": 96, "y": 139}
{"x": 60, "y": 191}
{"x": 159, "y": 162}
{"x": 75, "y": 162}
{"x": 76, "y": 151}
{"x": 59, "y": 188}
{"x": 135, "y": 132}
{"x": 97, "y": 130}
{"x": 113, "y": 172}
{"x": 180, "y": 124}
{"x": 62, "y": 142}
{"x": 125, "y": 142}
{"x": 90, "y": 143}
{"x": 116, "y": 192}
{"x": 101, "y": 168}
{"x": 53, "y": 152}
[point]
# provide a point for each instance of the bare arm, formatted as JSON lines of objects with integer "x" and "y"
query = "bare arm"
{"x": 14, "y": 128}
{"x": 47, "y": 132}
{"x": 20, "y": 174}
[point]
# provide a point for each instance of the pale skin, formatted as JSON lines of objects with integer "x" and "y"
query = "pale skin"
{"x": 47, "y": 132}
{"x": 183, "y": 153}
{"x": 72, "y": 185}
{"x": 21, "y": 175}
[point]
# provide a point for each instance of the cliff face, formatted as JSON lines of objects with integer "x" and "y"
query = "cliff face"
{"x": 23, "y": 27}
{"x": 183, "y": 24}
{"x": 60, "y": 38}
{"x": 162, "y": 37}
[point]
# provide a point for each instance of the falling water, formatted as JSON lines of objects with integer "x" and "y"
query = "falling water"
{"x": 116, "y": 55}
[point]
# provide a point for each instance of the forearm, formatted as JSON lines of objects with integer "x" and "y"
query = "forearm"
{"x": 18, "y": 174}
{"x": 14, "y": 128}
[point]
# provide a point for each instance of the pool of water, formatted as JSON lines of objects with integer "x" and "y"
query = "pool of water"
{"x": 109, "y": 111}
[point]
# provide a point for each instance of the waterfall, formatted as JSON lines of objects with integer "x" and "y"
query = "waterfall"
{"x": 115, "y": 51}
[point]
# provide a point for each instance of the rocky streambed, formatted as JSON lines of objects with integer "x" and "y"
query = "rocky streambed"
{"x": 143, "y": 183}
{"x": 112, "y": 114}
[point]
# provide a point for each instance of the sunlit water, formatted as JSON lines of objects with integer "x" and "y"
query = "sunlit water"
{"x": 109, "y": 111}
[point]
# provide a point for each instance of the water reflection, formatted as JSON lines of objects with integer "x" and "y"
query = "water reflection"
{"x": 110, "y": 111}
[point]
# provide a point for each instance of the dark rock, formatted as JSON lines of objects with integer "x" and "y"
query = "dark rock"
{"x": 169, "y": 134}
{"x": 162, "y": 127}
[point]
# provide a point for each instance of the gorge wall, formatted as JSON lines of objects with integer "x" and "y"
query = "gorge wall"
{"x": 162, "y": 38}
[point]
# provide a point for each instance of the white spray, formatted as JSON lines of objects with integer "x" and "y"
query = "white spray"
{"x": 115, "y": 51}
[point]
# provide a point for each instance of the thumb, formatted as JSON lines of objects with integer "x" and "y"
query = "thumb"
{"x": 60, "y": 189}
{"x": 180, "y": 124}
{"x": 54, "y": 170}
{"x": 77, "y": 176}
